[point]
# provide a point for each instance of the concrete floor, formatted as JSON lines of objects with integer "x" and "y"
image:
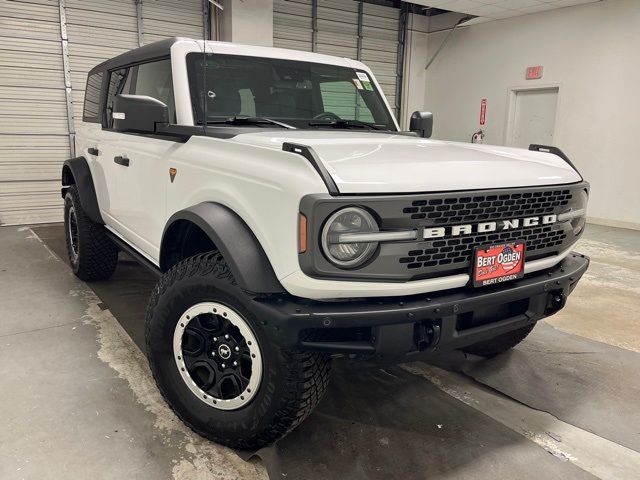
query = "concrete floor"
{"x": 77, "y": 399}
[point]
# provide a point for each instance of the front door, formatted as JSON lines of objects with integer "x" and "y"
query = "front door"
{"x": 142, "y": 186}
{"x": 143, "y": 164}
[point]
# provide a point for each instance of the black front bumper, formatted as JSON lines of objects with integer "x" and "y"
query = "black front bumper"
{"x": 390, "y": 328}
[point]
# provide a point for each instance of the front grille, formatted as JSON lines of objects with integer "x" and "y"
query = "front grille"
{"x": 457, "y": 252}
{"x": 451, "y": 254}
{"x": 477, "y": 208}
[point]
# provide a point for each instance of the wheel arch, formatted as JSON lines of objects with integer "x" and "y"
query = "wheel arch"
{"x": 212, "y": 226}
{"x": 75, "y": 171}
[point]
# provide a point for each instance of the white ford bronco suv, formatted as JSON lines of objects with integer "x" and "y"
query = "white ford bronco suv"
{"x": 290, "y": 221}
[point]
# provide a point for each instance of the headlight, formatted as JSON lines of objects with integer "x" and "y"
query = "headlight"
{"x": 576, "y": 212}
{"x": 342, "y": 248}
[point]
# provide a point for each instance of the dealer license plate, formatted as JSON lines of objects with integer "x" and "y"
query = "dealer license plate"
{"x": 499, "y": 263}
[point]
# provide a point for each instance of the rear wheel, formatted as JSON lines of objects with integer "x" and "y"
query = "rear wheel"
{"x": 499, "y": 344}
{"x": 214, "y": 361}
{"x": 92, "y": 255}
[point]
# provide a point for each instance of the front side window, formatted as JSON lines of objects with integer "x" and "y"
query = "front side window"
{"x": 301, "y": 94}
{"x": 154, "y": 80}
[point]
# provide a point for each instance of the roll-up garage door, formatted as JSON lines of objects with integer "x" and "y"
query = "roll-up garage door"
{"x": 171, "y": 18}
{"x": 34, "y": 120}
{"x": 380, "y": 47}
{"x": 344, "y": 28}
{"x": 33, "y": 114}
{"x": 292, "y": 24}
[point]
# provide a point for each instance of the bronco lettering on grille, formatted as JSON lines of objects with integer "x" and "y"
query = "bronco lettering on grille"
{"x": 498, "y": 226}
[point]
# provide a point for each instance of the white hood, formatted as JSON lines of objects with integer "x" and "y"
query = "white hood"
{"x": 369, "y": 162}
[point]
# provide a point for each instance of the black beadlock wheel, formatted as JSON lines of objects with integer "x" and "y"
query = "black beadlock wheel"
{"x": 92, "y": 255}
{"x": 214, "y": 362}
{"x": 499, "y": 344}
{"x": 217, "y": 355}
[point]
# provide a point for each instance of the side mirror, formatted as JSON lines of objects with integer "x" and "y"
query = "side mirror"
{"x": 138, "y": 113}
{"x": 421, "y": 123}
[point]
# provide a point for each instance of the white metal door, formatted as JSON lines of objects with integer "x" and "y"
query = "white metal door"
{"x": 533, "y": 117}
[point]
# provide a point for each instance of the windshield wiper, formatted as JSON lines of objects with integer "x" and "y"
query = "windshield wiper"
{"x": 345, "y": 124}
{"x": 237, "y": 120}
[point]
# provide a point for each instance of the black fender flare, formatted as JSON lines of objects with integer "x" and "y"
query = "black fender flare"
{"x": 235, "y": 241}
{"x": 75, "y": 171}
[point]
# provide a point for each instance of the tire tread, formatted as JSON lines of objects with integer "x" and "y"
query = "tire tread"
{"x": 98, "y": 254}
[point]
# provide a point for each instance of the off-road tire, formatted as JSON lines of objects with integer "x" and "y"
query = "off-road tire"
{"x": 97, "y": 255}
{"x": 499, "y": 344}
{"x": 293, "y": 381}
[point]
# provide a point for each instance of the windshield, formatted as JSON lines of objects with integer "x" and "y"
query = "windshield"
{"x": 299, "y": 94}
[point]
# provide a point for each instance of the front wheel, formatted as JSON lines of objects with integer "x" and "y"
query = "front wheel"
{"x": 215, "y": 364}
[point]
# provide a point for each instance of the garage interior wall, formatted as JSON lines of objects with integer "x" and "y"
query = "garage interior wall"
{"x": 35, "y": 129}
{"x": 590, "y": 52}
{"x": 249, "y": 22}
{"x": 415, "y": 61}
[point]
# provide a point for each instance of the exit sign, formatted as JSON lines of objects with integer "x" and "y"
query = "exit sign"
{"x": 534, "y": 73}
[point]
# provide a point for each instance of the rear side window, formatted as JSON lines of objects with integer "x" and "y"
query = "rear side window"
{"x": 92, "y": 98}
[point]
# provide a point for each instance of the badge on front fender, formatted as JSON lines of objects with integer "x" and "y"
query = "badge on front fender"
{"x": 496, "y": 264}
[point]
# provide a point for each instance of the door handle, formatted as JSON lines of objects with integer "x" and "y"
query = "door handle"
{"x": 94, "y": 151}
{"x": 121, "y": 160}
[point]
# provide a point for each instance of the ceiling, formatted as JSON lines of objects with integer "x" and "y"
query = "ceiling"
{"x": 488, "y": 10}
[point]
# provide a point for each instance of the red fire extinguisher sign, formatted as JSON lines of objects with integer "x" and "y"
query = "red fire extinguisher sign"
{"x": 483, "y": 111}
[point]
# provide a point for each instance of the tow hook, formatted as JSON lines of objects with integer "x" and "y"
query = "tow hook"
{"x": 555, "y": 301}
{"x": 427, "y": 336}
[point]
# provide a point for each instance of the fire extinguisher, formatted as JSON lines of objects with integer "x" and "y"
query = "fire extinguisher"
{"x": 478, "y": 137}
